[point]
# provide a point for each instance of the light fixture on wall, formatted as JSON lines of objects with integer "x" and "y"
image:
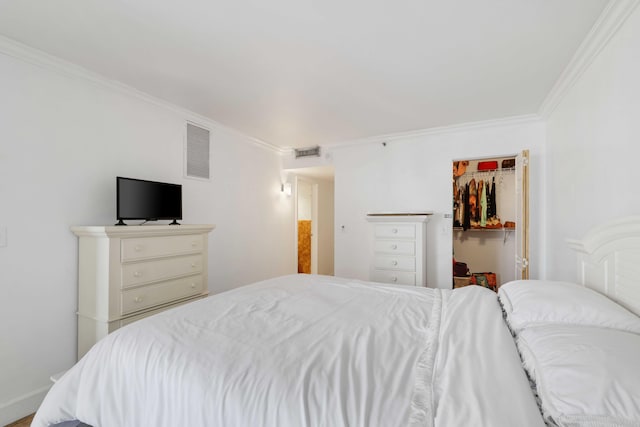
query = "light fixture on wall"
{"x": 285, "y": 183}
{"x": 286, "y": 188}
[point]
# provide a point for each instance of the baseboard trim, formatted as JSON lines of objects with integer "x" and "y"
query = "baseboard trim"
{"x": 22, "y": 406}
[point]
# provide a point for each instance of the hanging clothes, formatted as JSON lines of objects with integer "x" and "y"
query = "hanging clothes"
{"x": 461, "y": 205}
{"x": 473, "y": 201}
{"x": 483, "y": 204}
{"x": 466, "y": 224}
{"x": 494, "y": 210}
{"x": 489, "y": 195}
{"x": 456, "y": 207}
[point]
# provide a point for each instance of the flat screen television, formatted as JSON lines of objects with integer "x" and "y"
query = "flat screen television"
{"x": 138, "y": 199}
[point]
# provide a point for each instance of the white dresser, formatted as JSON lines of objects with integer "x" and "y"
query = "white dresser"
{"x": 399, "y": 248}
{"x": 126, "y": 273}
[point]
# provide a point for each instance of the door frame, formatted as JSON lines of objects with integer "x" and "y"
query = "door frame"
{"x": 522, "y": 185}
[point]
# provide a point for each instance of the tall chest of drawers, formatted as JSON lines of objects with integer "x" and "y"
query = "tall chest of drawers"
{"x": 399, "y": 248}
{"x": 126, "y": 273}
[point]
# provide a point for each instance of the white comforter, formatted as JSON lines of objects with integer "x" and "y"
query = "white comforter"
{"x": 305, "y": 351}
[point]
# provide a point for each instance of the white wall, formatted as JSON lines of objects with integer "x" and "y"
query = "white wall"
{"x": 63, "y": 140}
{"x": 594, "y": 148}
{"x": 414, "y": 173}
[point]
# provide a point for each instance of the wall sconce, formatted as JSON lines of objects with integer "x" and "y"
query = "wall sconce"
{"x": 286, "y": 188}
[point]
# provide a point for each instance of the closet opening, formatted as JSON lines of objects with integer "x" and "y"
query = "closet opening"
{"x": 490, "y": 220}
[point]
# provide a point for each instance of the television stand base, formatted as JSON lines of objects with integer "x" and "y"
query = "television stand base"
{"x": 175, "y": 222}
{"x": 120, "y": 222}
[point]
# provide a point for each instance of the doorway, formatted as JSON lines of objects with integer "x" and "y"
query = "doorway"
{"x": 314, "y": 219}
{"x": 307, "y": 225}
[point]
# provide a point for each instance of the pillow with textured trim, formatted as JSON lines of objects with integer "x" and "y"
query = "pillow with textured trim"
{"x": 528, "y": 303}
{"x": 584, "y": 376}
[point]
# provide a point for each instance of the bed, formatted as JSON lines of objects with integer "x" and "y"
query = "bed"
{"x": 307, "y": 350}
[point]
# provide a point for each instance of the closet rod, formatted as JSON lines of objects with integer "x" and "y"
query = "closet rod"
{"x": 495, "y": 171}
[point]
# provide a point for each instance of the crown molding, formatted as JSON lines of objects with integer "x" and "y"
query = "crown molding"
{"x": 49, "y": 62}
{"x": 611, "y": 19}
{"x": 458, "y": 128}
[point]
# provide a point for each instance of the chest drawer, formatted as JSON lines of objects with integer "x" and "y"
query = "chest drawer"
{"x": 385, "y": 262}
{"x": 151, "y": 271}
{"x": 402, "y": 231}
{"x": 400, "y": 247}
{"x": 395, "y": 277}
{"x": 154, "y": 247}
{"x": 128, "y": 320}
{"x": 160, "y": 293}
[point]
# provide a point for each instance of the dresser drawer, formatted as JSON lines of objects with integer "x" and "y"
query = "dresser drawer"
{"x": 128, "y": 320}
{"x": 160, "y": 293}
{"x": 400, "y": 247}
{"x": 161, "y": 269}
{"x": 154, "y": 247}
{"x": 405, "y": 263}
{"x": 402, "y": 231}
{"x": 395, "y": 277}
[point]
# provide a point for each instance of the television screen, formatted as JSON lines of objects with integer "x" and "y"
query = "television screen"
{"x": 147, "y": 200}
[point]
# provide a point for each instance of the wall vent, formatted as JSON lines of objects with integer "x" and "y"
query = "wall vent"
{"x": 307, "y": 152}
{"x": 197, "y": 155}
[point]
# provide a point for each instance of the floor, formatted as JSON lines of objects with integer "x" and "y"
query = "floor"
{"x": 23, "y": 422}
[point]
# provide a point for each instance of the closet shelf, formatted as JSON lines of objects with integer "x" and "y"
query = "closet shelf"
{"x": 504, "y": 230}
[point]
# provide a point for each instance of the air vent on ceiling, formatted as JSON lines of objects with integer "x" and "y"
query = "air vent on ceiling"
{"x": 197, "y": 156}
{"x": 307, "y": 152}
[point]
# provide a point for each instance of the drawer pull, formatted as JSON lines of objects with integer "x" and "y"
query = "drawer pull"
{"x": 137, "y": 299}
{"x": 137, "y": 274}
{"x": 394, "y": 247}
{"x": 394, "y": 279}
{"x": 194, "y": 244}
{"x": 394, "y": 262}
{"x": 194, "y": 264}
{"x": 193, "y": 286}
{"x": 394, "y": 230}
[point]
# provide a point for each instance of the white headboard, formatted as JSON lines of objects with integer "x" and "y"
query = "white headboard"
{"x": 609, "y": 261}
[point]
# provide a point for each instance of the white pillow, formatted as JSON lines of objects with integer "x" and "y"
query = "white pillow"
{"x": 584, "y": 376}
{"x": 530, "y": 303}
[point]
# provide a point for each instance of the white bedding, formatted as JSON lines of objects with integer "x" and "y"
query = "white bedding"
{"x": 305, "y": 351}
{"x": 581, "y": 350}
{"x": 585, "y": 376}
{"x": 529, "y": 303}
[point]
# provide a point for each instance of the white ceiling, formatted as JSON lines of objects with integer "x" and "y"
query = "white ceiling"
{"x": 297, "y": 73}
